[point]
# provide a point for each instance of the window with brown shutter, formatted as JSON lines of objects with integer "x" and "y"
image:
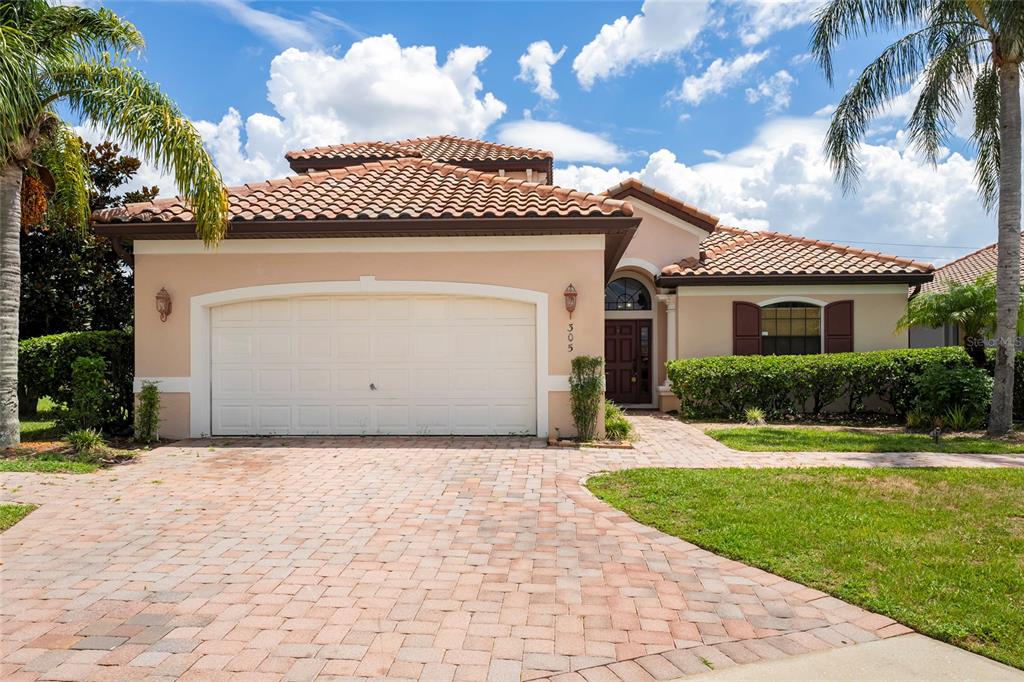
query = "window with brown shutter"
{"x": 746, "y": 328}
{"x": 839, "y": 327}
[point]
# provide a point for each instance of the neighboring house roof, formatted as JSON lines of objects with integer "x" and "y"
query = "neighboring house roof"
{"x": 631, "y": 187}
{"x": 396, "y": 197}
{"x": 459, "y": 151}
{"x": 967, "y": 268}
{"x": 732, "y": 255}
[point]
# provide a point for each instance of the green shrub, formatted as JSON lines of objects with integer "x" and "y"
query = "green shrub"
{"x": 586, "y": 390}
{"x": 88, "y": 443}
{"x": 616, "y": 425}
{"x": 724, "y": 387}
{"x": 959, "y": 418}
{"x": 147, "y": 413}
{"x": 89, "y": 395}
{"x": 754, "y": 416}
{"x": 941, "y": 390}
{"x": 44, "y": 369}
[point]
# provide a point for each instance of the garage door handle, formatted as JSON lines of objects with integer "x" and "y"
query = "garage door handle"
{"x": 372, "y": 387}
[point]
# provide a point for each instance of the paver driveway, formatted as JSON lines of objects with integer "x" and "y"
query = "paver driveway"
{"x": 399, "y": 558}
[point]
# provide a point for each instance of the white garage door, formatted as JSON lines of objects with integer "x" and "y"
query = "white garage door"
{"x": 374, "y": 365}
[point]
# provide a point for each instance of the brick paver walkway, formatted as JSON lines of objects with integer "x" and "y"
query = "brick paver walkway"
{"x": 367, "y": 558}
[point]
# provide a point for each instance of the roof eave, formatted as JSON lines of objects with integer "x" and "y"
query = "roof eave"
{"x": 674, "y": 281}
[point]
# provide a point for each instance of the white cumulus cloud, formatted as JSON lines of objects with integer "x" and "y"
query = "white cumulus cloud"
{"x": 376, "y": 90}
{"x": 775, "y": 90}
{"x": 661, "y": 30}
{"x": 782, "y": 181}
{"x": 566, "y": 142}
{"x": 535, "y": 67}
{"x": 765, "y": 17}
{"x": 719, "y": 75}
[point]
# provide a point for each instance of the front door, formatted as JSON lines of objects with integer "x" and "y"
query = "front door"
{"x": 627, "y": 361}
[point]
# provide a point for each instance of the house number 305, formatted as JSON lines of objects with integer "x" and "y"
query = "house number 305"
{"x": 570, "y": 336}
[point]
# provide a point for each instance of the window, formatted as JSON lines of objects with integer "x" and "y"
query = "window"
{"x": 790, "y": 328}
{"x": 626, "y": 293}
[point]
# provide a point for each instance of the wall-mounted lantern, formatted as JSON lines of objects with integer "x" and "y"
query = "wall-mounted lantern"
{"x": 570, "y": 299}
{"x": 163, "y": 304}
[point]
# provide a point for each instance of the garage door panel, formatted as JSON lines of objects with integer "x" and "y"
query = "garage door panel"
{"x": 270, "y": 346}
{"x": 274, "y": 310}
{"x": 440, "y": 364}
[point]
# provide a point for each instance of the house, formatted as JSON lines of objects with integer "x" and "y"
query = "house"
{"x": 442, "y": 286}
{"x": 963, "y": 270}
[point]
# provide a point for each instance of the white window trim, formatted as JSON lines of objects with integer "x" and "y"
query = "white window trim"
{"x": 645, "y": 265}
{"x": 651, "y": 315}
{"x": 803, "y": 299}
{"x": 201, "y": 305}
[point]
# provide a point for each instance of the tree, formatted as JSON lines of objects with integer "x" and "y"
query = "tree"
{"x": 74, "y": 57}
{"x": 970, "y": 306}
{"x": 955, "y": 51}
{"x": 71, "y": 279}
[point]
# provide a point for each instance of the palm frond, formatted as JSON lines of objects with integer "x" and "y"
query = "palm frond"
{"x": 889, "y": 76}
{"x": 949, "y": 74}
{"x": 19, "y": 101}
{"x": 841, "y": 19}
{"x": 128, "y": 107}
{"x": 61, "y": 154}
{"x": 986, "y": 134}
{"x": 84, "y": 32}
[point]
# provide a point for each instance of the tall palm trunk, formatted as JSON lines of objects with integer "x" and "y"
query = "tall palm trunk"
{"x": 10, "y": 301}
{"x": 1008, "y": 264}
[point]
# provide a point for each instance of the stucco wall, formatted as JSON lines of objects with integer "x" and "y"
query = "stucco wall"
{"x": 661, "y": 239}
{"x": 162, "y": 348}
{"x": 705, "y": 317}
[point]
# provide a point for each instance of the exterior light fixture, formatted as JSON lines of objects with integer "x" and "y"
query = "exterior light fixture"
{"x": 163, "y": 304}
{"x": 570, "y": 299}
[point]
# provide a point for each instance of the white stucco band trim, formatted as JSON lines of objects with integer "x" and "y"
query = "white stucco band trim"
{"x": 640, "y": 263}
{"x": 199, "y": 323}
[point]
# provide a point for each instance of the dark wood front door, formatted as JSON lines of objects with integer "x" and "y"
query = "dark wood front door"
{"x": 627, "y": 361}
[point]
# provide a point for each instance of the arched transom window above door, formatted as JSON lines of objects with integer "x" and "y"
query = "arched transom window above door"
{"x": 626, "y": 293}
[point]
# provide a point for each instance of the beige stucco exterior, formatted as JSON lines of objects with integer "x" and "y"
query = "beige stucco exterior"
{"x": 545, "y": 265}
{"x": 705, "y": 314}
{"x": 661, "y": 239}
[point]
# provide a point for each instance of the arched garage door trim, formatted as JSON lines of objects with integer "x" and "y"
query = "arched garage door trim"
{"x": 200, "y": 385}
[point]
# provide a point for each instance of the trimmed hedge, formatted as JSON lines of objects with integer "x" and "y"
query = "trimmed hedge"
{"x": 45, "y": 362}
{"x": 724, "y": 387}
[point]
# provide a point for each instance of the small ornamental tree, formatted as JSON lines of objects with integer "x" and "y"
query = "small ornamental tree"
{"x": 971, "y": 306}
{"x": 586, "y": 391}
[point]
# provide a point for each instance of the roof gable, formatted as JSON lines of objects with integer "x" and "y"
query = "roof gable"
{"x": 633, "y": 188}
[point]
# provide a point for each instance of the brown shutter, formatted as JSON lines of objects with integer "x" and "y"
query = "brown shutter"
{"x": 839, "y": 327}
{"x": 746, "y": 328}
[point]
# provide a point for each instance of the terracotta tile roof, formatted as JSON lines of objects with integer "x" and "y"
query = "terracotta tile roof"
{"x": 631, "y": 187}
{"x": 391, "y": 189}
{"x": 446, "y": 148}
{"x": 967, "y": 268}
{"x": 733, "y": 252}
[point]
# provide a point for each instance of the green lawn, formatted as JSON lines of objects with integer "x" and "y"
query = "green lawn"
{"x": 795, "y": 439}
{"x": 940, "y": 550}
{"x": 42, "y": 426}
{"x": 10, "y": 514}
{"x": 46, "y": 464}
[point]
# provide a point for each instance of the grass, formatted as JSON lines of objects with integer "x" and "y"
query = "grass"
{"x": 10, "y": 514}
{"x": 46, "y": 463}
{"x": 795, "y": 439}
{"x": 940, "y": 550}
{"x": 43, "y": 425}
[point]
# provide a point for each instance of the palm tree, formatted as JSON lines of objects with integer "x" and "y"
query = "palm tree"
{"x": 970, "y": 306}
{"x": 953, "y": 50}
{"x": 73, "y": 57}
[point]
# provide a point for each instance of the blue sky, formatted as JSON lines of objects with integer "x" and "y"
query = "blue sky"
{"x": 717, "y": 103}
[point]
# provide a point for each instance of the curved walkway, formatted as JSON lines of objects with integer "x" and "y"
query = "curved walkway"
{"x": 389, "y": 558}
